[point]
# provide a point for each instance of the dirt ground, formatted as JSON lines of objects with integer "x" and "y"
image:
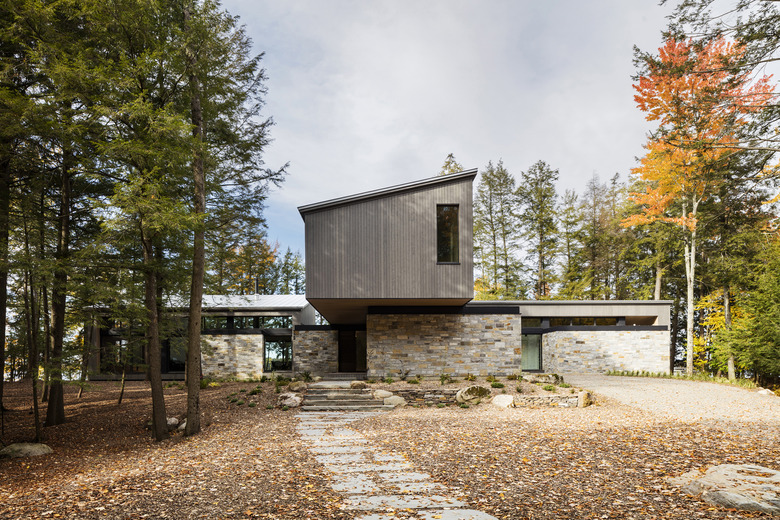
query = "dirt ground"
{"x": 606, "y": 461}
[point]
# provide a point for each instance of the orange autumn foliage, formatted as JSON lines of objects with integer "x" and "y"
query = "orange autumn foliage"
{"x": 700, "y": 104}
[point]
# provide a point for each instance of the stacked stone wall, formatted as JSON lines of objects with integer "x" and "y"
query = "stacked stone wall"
{"x": 435, "y": 344}
{"x": 237, "y": 356}
{"x": 315, "y": 351}
{"x": 600, "y": 351}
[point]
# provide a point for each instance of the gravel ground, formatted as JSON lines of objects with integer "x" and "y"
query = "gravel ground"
{"x": 681, "y": 400}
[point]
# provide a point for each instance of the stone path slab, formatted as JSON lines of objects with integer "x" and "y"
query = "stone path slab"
{"x": 374, "y": 482}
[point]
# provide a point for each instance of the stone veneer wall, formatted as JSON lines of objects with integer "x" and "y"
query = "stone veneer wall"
{"x": 239, "y": 356}
{"x": 600, "y": 351}
{"x": 435, "y": 344}
{"x": 315, "y": 351}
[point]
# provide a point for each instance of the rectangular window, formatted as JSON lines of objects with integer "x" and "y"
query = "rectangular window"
{"x": 532, "y": 352}
{"x": 447, "y": 233}
{"x": 532, "y": 322}
{"x": 278, "y": 355}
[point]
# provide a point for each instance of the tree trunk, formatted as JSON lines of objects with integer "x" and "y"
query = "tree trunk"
{"x": 659, "y": 277}
{"x": 159, "y": 417}
{"x": 5, "y": 205}
{"x": 727, "y": 322}
{"x": 32, "y": 317}
{"x": 690, "y": 276}
{"x": 199, "y": 251}
{"x": 55, "y": 413}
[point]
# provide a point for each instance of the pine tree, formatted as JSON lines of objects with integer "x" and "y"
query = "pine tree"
{"x": 537, "y": 201}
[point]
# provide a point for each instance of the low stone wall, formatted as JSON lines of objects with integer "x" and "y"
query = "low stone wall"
{"x": 563, "y": 401}
{"x": 435, "y": 344}
{"x": 239, "y": 356}
{"x": 315, "y": 351}
{"x": 600, "y": 351}
{"x": 428, "y": 397}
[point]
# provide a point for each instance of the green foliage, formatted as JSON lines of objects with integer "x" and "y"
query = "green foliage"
{"x": 306, "y": 377}
{"x": 240, "y": 402}
{"x": 445, "y": 378}
{"x": 519, "y": 389}
{"x": 252, "y": 404}
{"x": 511, "y": 377}
{"x": 414, "y": 381}
{"x": 490, "y": 378}
{"x": 440, "y": 405}
{"x": 285, "y": 408}
{"x": 549, "y": 388}
{"x": 497, "y": 384}
{"x": 464, "y": 405}
{"x": 470, "y": 377}
{"x": 564, "y": 385}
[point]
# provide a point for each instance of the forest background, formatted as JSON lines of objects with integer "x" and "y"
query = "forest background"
{"x": 131, "y": 173}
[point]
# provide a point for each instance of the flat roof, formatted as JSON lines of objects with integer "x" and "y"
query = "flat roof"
{"x": 254, "y": 302}
{"x": 383, "y": 192}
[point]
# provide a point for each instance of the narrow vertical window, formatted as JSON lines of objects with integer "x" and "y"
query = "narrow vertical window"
{"x": 447, "y": 233}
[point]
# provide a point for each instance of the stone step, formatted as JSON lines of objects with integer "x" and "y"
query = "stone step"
{"x": 338, "y": 407}
{"x": 338, "y": 392}
{"x": 345, "y": 376}
{"x": 342, "y": 402}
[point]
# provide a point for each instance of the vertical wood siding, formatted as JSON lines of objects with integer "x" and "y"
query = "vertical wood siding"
{"x": 386, "y": 247}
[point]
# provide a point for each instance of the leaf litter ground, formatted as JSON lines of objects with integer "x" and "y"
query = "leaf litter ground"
{"x": 606, "y": 461}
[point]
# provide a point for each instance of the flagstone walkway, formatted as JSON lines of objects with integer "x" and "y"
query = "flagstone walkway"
{"x": 376, "y": 484}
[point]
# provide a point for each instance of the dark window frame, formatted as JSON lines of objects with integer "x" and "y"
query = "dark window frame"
{"x": 447, "y": 249}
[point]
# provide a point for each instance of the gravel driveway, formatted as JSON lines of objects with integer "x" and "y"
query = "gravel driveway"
{"x": 683, "y": 400}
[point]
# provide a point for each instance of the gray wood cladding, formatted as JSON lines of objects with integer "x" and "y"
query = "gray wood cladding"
{"x": 386, "y": 247}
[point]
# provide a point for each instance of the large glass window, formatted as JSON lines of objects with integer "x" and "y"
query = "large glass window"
{"x": 447, "y": 233}
{"x": 278, "y": 355}
{"x": 532, "y": 352}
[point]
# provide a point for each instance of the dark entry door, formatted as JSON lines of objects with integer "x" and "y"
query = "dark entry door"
{"x": 347, "y": 351}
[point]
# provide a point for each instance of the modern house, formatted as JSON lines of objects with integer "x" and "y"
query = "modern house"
{"x": 392, "y": 272}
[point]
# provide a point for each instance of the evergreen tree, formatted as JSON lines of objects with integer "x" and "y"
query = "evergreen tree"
{"x": 537, "y": 201}
{"x": 450, "y": 166}
{"x": 495, "y": 231}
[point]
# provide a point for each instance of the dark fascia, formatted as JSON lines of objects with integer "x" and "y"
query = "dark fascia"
{"x": 442, "y": 309}
{"x": 383, "y": 192}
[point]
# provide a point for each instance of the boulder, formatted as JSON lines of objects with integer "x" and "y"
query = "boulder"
{"x": 316, "y": 379}
{"x": 358, "y": 385}
{"x": 25, "y": 449}
{"x": 471, "y": 394}
{"x": 747, "y": 487}
{"x": 765, "y": 391}
{"x": 289, "y": 399}
{"x": 584, "y": 399}
{"x": 395, "y": 400}
{"x": 182, "y": 426}
{"x": 382, "y": 394}
{"x": 173, "y": 422}
{"x": 297, "y": 386}
{"x": 503, "y": 401}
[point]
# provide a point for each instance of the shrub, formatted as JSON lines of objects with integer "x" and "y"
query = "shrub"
{"x": 413, "y": 381}
{"x": 242, "y": 390}
{"x": 464, "y": 405}
{"x": 263, "y": 379}
{"x": 519, "y": 389}
{"x": 285, "y": 408}
{"x": 256, "y": 390}
{"x": 549, "y": 388}
{"x": 470, "y": 377}
{"x": 269, "y": 407}
{"x": 389, "y": 380}
{"x": 370, "y": 381}
{"x": 306, "y": 377}
{"x": 445, "y": 378}
{"x": 496, "y": 384}
{"x": 252, "y": 404}
{"x": 205, "y": 383}
{"x": 440, "y": 405}
{"x": 240, "y": 402}
{"x": 565, "y": 385}
{"x": 511, "y": 377}
{"x": 490, "y": 378}
{"x": 403, "y": 374}
{"x": 234, "y": 399}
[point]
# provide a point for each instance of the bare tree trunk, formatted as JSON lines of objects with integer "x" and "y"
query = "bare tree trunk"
{"x": 5, "y": 204}
{"x": 55, "y": 413}
{"x": 727, "y": 322}
{"x": 199, "y": 249}
{"x": 690, "y": 277}
{"x": 659, "y": 277}
{"x": 159, "y": 417}
{"x": 31, "y": 319}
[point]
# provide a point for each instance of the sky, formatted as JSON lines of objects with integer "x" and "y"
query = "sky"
{"x": 367, "y": 94}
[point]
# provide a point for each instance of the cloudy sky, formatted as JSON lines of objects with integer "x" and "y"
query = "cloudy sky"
{"x": 371, "y": 93}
